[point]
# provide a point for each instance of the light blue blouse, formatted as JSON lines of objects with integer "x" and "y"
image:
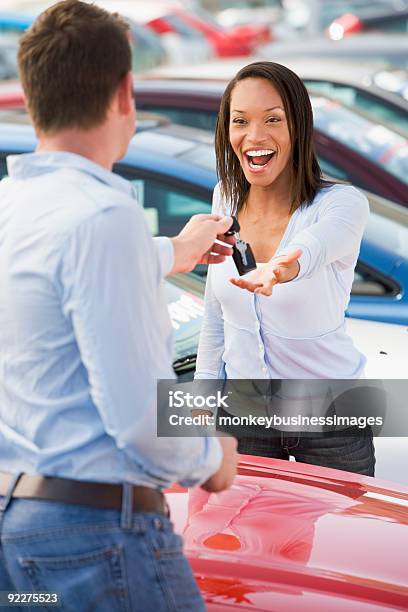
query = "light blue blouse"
{"x": 299, "y": 332}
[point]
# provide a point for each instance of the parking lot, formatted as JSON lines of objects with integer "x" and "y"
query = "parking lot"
{"x": 286, "y": 535}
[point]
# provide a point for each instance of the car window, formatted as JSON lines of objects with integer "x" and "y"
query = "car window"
{"x": 167, "y": 208}
{"x": 390, "y": 23}
{"x": 360, "y": 8}
{"x": 371, "y": 105}
{"x": 369, "y": 282}
{"x": 332, "y": 170}
{"x": 371, "y": 140}
{"x": 202, "y": 119}
{"x": 183, "y": 28}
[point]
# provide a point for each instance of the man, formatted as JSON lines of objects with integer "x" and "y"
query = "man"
{"x": 84, "y": 336}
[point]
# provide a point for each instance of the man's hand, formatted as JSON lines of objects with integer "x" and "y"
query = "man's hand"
{"x": 196, "y": 244}
{"x": 277, "y": 270}
{"x": 224, "y": 477}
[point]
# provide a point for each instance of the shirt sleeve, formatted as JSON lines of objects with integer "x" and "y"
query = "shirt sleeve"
{"x": 113, "y": 295}
{"x": 211, "y": 344}
{"x": 336, "y": 237}
{"x": 165, "y": 252}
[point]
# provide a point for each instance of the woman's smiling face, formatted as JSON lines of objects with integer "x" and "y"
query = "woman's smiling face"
{"x": 259, "y": 132}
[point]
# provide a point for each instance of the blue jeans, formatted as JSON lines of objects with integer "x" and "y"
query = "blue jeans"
{"x": 351, "y": 450}
{"x": 96, "y": 560}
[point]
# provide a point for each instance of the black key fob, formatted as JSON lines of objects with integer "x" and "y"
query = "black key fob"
{"x": 235, "y": 227}
{"x": 243, "y": 257}
{"x": 241, "y": 251}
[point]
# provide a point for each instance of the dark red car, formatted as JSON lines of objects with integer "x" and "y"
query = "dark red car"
{"x": 350, "y": 146}
{"x": 241, "y": 40}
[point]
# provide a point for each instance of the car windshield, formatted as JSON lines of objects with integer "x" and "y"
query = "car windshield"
{"x": 181, "y": 27}
{"x": 375, "y": 142}
{"x": 362, "y": 100}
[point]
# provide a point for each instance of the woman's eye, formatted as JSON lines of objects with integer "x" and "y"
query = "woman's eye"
{"x": 239, "y": 121}
{"x": 273, "y": 119}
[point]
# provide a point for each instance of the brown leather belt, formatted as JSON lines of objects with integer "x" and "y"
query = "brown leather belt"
{"x": 96, "y": 494}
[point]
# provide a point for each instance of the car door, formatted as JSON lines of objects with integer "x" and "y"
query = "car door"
{"x": 168, "y": 202}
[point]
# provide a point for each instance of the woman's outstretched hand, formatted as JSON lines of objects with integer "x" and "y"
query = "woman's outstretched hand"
{"x": 277, "y": 270}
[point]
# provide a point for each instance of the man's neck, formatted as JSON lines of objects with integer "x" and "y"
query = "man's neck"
{"x": 92, "y": 144}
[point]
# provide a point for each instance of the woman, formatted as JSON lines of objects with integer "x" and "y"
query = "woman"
{"x": 305, "y": 233}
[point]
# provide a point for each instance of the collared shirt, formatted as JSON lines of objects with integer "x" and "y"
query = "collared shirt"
{"x": 84, "y": 330}
{"x": 299, "y": 332}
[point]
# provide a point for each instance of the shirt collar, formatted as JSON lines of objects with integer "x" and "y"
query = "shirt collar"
{"x": 28, "y": 165}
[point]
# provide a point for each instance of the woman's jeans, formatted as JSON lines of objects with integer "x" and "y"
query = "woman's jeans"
{"x": 96, "y": 560}
{"x": 351, "y": 449}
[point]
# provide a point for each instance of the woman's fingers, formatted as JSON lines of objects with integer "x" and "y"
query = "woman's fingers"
{"x": 263, "y": 291}
{"x": 267, "y": 287}
{"x": 260, "y": 281}
{"x": 245, "y": 284}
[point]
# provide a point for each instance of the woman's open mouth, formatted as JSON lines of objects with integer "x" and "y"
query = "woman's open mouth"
{"x": 258, "y": 159}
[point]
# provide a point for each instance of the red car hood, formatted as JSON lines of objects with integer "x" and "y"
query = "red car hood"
{"x": 289, "y": 536}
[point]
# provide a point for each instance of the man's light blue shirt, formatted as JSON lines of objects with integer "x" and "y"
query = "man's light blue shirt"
{"x": 84, "y": 330}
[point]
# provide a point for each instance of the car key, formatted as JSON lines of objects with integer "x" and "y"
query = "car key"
{"x": 241, "y": 251}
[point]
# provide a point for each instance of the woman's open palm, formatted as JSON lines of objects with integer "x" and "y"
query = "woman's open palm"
{"x": 279, "y": 270}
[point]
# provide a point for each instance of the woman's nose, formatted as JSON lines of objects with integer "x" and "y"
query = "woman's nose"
{"x": 256, "y": 133}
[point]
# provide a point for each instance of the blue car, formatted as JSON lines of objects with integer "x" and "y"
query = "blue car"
{"x": 14, "y": 22}
{"x": 172, "y": 169}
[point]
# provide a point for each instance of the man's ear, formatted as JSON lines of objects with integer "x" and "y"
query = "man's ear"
{"x": 125, "y": 94}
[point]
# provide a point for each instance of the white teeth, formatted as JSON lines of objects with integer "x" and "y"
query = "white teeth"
{"x": 260, "y": 152}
